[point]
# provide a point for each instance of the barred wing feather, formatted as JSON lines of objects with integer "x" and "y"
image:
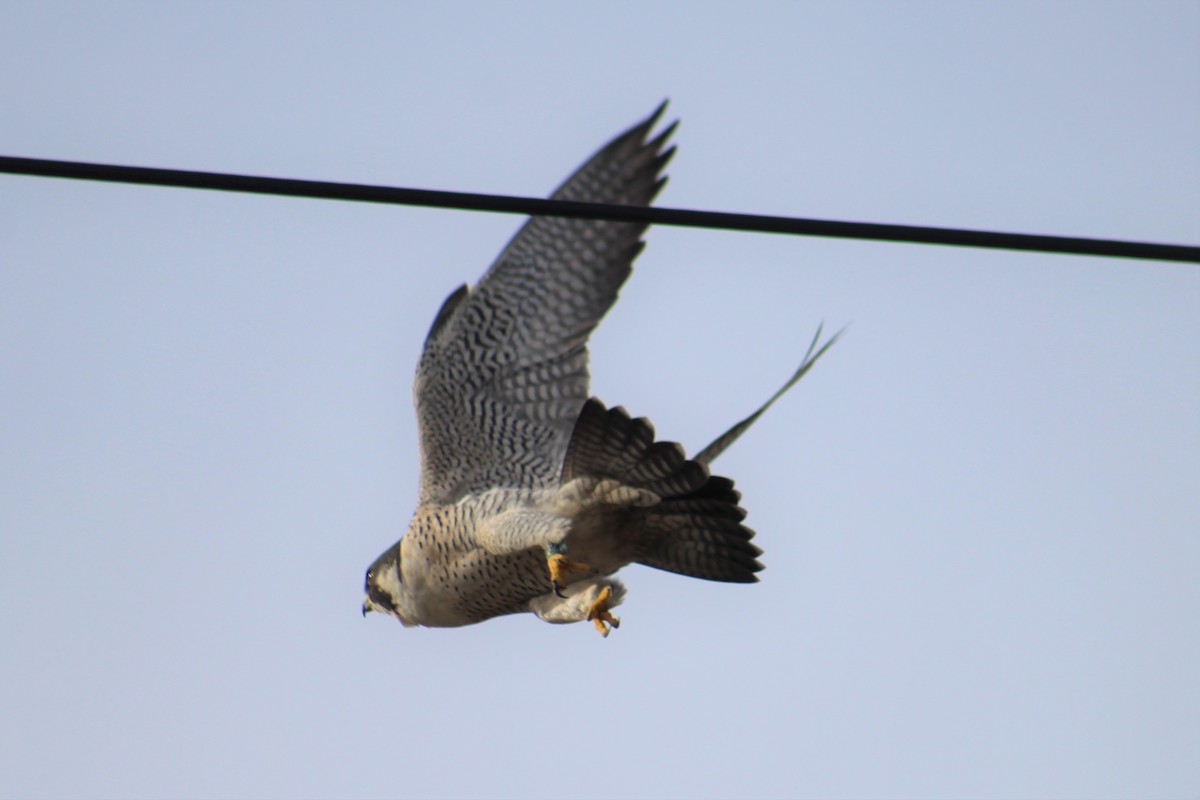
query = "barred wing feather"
{"x": 504, "y": 371}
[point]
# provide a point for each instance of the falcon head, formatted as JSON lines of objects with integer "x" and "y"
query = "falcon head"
{"x": 384, "y": 590}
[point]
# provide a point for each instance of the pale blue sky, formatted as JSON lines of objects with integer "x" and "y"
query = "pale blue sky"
{"x": 980, "y": 512}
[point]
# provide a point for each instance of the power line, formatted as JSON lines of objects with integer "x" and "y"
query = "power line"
{"x": 561, "y": 208}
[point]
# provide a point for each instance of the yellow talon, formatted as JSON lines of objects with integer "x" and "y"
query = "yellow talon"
{"x": 599, "y": 613}
{"x": 559, "y": 566}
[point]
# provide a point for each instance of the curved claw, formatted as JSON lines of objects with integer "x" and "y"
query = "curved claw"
{"x": 599, "y": 613}
{"x": 560, "y": 566}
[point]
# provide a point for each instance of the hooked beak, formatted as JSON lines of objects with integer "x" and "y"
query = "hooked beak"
{"x": 367, "y": 607}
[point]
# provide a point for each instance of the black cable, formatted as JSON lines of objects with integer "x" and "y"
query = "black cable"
{"x": 562, "y": 208}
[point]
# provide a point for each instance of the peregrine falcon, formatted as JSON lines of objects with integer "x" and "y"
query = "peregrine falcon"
{"x": 533, "y": 494}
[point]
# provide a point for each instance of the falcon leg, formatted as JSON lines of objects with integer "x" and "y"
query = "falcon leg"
{"x": 560, "y": 566}
{"x": 599, "y": 613}
{"x": 586, "y": 599}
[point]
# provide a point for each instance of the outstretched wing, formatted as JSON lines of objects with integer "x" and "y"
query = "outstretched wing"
{"x": 504, "y": 371}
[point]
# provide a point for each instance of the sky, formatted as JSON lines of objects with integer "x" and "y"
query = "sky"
{"x": 980, "y": 511}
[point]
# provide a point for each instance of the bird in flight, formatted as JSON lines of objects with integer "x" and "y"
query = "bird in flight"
{"x": 533, "y": 494}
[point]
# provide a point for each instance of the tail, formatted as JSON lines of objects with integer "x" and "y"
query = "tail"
{"x": 696, "y": 529}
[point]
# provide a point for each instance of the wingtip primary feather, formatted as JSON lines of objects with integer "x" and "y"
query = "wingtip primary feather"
{"x": 722, "y": 442}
